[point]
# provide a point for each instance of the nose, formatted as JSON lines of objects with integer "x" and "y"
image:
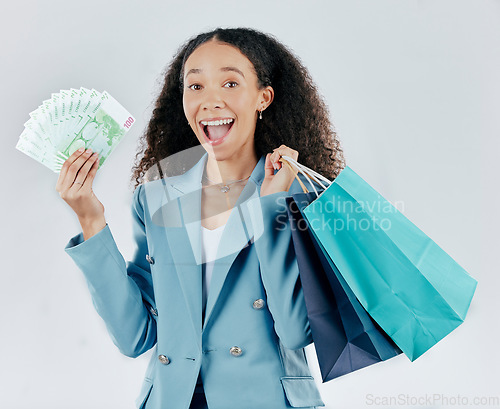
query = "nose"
{"x": 213, "y": 99}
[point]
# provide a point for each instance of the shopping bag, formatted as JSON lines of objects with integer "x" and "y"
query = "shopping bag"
{"x": 412, "y": 288}
{"x": 345, "y": 337}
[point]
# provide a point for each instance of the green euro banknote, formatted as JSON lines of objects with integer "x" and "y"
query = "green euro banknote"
{"x": 73, "y": 119}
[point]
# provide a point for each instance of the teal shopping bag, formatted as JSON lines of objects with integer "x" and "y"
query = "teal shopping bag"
{"x": 412, "y": 288}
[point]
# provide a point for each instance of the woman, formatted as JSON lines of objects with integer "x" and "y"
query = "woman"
{"x": 213, "y": 284}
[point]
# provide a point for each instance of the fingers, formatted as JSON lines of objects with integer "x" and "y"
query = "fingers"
{"x": 282, "y": 180}
{"x": 87, "y": 173}
{"x": 75, "y": 169}
{"x": 65, "y": 167}
{"x": 268, "y": 166}
{"x": 90, "y": 170}
{"x": 283, "y": 150}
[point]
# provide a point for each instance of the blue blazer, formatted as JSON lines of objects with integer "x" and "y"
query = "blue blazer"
{"x": 250, "y": 346}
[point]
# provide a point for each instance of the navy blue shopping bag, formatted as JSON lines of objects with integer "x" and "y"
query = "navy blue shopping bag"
{"x": 345, "y": 337}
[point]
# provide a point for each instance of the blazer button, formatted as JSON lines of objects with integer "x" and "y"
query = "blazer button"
{"x": 163, "y": 359}
{"x": 259, "y": 304}
{"x": 153, "y": 311}
{"x": 150, "y": 259}
{"x": 235, "y": 351}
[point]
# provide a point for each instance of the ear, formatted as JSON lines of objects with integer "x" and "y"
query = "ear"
{"x": 266, "y": 97}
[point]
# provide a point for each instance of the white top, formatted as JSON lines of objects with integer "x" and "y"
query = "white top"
{"x": 209, "y": 243}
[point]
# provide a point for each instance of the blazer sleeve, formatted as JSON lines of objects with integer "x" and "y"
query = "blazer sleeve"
{"x": 122, "y": 292}
{"x": 279, "y": 269}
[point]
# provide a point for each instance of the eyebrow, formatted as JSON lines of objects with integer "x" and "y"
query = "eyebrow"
{"x": 225, "y": 69}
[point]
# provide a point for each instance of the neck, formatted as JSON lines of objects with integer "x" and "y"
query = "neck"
{"x": 230, "y": 169}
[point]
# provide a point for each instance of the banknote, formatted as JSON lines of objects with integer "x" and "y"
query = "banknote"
{"x": 72, "y": 119}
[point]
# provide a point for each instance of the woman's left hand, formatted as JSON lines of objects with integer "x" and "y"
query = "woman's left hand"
{"x": 281, "y": 181}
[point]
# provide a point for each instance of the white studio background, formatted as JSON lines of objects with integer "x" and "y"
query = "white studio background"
{"x": 412, "y": 87}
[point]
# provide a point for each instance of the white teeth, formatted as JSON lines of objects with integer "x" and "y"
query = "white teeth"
{"x": 220, "y": 122}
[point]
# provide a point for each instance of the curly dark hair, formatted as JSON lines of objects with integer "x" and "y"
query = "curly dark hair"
{"x": 298, "y": 117}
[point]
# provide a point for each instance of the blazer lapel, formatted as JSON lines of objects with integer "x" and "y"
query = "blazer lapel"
{"x": 237, "y": 234}
{"x": 179, "y": 212}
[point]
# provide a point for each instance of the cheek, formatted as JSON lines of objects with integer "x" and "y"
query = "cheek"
{"x": 189, "y": 109}
{"x": 244, "y": 107}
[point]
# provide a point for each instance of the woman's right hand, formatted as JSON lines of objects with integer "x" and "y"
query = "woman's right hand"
{"x": 75, "y": 188}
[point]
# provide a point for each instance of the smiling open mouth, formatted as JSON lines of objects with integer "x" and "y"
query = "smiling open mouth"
{"x": 215, "y": 130}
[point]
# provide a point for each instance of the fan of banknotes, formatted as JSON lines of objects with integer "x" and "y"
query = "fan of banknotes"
{"x": 72, "y": 119}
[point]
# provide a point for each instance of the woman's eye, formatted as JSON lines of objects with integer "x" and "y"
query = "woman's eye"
{"x": 231, "y": 84}
{"x": 195, "y": 87}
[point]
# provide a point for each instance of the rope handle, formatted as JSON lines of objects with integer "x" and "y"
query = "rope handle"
{"x": 307, "y": 172}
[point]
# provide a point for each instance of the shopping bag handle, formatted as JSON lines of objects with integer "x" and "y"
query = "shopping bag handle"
{"x": 304, "y": 172}
{"x": 307, "y": 172}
